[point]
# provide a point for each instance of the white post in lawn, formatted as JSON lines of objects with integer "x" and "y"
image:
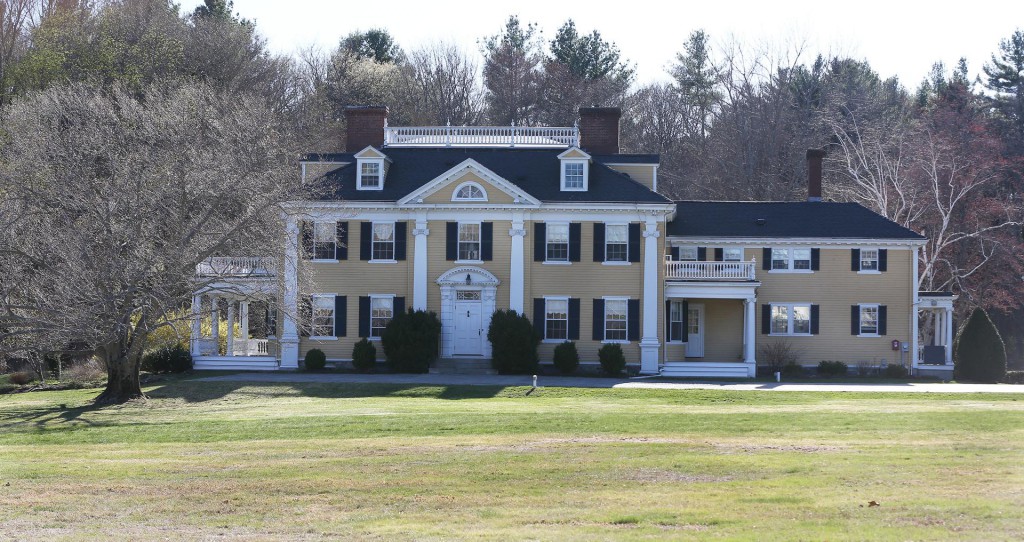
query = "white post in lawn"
{"x": 749, "y": 337}
{"x": 419, "y": 264}
{"x": 289, "y": 331}
{"x": 649, "y": 343}
{"x": 231, "y": 328}
{"x": 215, "y": 324}
{"x": 516, "y": 282}
{"x": 243, "y": 326}
{"x": 197, "y": 329}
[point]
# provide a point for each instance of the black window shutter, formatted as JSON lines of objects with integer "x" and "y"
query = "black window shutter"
{"x": 306, "y": 229}
{"x": 341, "y": 236}
{"x": 668, "y": 320}
{"x": 575, "y": 238}
{"x": 487, "y": 241}
{"x": 538, "y": 315}
{"x": 854, "y": 259}
{"x": 598, "y": 241}
{"x": 634, "y": 242}
{"x": 815, "y": 314}
{"x": 364, "y": 316}
{"x": 365, "y": 241}
{"x": 702, "y": 254}
{"x": 766, "y": 318}
{"x": 883, "y": 259}
{"x": 854, "y": 319}
{"x": 719, "y": 254}
{"x": 305, "y": 316}
{"x": 401, "y": 231}
{"x": 815, "y": 259}
{"x": 398, "y": 306}
{"x": 340, "y": 314}
{"x": 598, "y": 320}
{"x": 766, "y": 259}
{"x": 540, "y": 239}
{"x": 574, "y": 318}
{"x": 686, "y": 321}
{"x": 451, "y": 245}
{"x": 675, "y": 254}
{"x": 633, "y": 319}
{"x": 882, "y": 319}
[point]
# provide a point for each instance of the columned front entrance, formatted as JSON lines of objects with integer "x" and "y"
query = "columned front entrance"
{"x": 468, "y": 299}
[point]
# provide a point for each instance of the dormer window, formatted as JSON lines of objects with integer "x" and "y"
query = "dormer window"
{"x": 575, "y": 170}
{"x": 470, "y": 192}
{"x": 371, "y": 174}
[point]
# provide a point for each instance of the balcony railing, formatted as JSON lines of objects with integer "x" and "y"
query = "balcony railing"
{"x": 236, "y": 266}
{"x": 481, "y": 136}
{"x": 710, "y": 270}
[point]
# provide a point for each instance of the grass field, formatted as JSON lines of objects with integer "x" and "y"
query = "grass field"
{"x": 204, "y": 460}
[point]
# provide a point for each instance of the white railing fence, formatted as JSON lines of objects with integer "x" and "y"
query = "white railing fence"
{"x": 251, "y": 347}
{"x": 675, "y": 270}
{"x": 484, "y": 136}
{"x": 236, "y": 266}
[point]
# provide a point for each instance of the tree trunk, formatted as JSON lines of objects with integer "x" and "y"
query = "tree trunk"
{"x": 122, "y": 382}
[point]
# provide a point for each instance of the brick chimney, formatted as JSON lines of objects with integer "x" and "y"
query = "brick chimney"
{"x": 364, "y": 125}
{"x": 599, "y": 129}
{"x": 814, "y": 157}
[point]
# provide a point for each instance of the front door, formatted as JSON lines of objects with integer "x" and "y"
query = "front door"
{"x": 695, "y": 331}
{"x": 469, "y": 332}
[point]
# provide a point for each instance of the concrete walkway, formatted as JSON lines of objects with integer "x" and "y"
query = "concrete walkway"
{"x": 585, "y": 382}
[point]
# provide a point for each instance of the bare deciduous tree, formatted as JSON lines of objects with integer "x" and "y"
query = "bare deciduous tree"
{"x": 445, "y": 86}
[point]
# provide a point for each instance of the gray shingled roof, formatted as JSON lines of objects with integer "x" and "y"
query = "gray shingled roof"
{"x": 744, "y": 219}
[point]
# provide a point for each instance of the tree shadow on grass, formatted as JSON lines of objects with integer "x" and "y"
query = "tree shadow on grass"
{"x": 197, "y": 392}
{"x": 43, "y": 416}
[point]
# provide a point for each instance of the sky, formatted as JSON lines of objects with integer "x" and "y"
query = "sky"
{"x": 896, "y": 38}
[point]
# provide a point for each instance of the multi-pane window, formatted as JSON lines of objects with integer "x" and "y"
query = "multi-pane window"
{"x": 556, "y": 319}
{"x": 381, "y": 312}
{"x": 869, "y": 319}
{"x": 732, "y": 254}
{"x": 369, "y": 174}
{"x": 323, "y": 316}
{"x": 616, "y": 243}
{"x": 470, "y": 192}
{"x": 615, "y": 319}
{"x": 802, "y": 258}
{"x": 383, "y": 241}
{"x": 780, "y": 258}
{"x": 797, "y": 259}
{"x": 574, "y": 176}
{"x": 469, "y": 241}
{"x": 869, "y": 259}
{"x": 687, "y": 254}
{"x": 791, "y": 319}
{"x": 675, "y": 319}
{"x": 325, "y": 238}
{"x": 557, "y": 242}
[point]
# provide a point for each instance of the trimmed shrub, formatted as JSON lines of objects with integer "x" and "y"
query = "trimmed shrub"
{"x": 315, "y": 360}
{"x": 410, "y": 341}
{"x": 567, "y": 359}
{"x": 364, "y": 356}
{"x": 20, "y": 378}
{"x": 792, "y": 370}
{"x": 896, "y": 371}
{"x": 1014, "y": 377}
{"x": 613, "y": 362}
{"x": 513, "y": 343}
{"x": 829, "y": 369}
{"x": 979, "y": 353}
{"x": 167, "y": 359}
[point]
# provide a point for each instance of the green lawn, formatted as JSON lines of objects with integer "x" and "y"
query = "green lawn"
{"x": 205, "y": 460}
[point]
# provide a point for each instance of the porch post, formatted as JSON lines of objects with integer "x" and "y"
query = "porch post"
{"x": 419, "y": 265}
{"x": 290, "y": 337}
{"x": 289, "y": 341}
{"x": 243, "y": 308}
{"x": 937, "y": 331}
{"x": 516, "y": 281}
{"x": 215, "y": 324}
{"x": 649, "y": 344}
{"x": 749, "y": 337}
{"x": 231, "y": 328}
{"x": 197, "y": 314}
{"x": 947, "y": 316}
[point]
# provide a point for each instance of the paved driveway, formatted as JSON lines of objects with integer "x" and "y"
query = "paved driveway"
{"x": 585, "y": 382}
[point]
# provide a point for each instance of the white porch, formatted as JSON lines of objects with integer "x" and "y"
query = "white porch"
{"x": 935, "y": 310}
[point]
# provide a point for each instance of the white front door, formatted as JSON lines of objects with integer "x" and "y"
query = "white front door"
{"x": 469, "y": 332}
{"x": 695, "y": 331}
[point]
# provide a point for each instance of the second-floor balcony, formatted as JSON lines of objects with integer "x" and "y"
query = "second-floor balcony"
{"x": 710, "y": 271}
{"x": 236, "y": 266}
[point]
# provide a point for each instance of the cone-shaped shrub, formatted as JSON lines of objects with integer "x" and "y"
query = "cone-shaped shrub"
{"x": 980, "y": 354}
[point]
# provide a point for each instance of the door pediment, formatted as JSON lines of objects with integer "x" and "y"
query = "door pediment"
{"x": 468, "y": 276}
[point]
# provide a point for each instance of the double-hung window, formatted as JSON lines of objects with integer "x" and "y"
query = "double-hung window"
{"x": 325, "y": 240}
{"x": 869, "y": 259}
{"x": 732, "y": 254}
{"x": 370, "y": 174}
{"x": 381, "y": 312}
{"x": 675, "y": 319}
{"x": 687, "y": 254}
{"x": 383, "y": 241}
{"x": 615, "y": 319}
{"x": 557, "y": 247}
{"x": 469, "y": 241}
{"x": 791, "y": 319}
{"x": 574, "y": 175}
{"x": 556, "y": 318}
{"x": 791, "y": 259}
{"x": 323, "y": 316}
{"x": 616, "y": 243}
{"x": 869, "y": 319}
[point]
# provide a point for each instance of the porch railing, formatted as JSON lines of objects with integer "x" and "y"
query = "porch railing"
{"x": 236, "y": 266}
{"x": 251, "y": 347}
{"x": 482, "y": 136}
{"x": 675, "y": 270}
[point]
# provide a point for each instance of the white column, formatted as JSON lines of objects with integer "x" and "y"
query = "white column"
{"x": 516, "y": 283}
{"x": 197, "y": 329}
{"x": 215, "y": 324}
{"x": 947, "y": 316}
{"x": 231, "y": 328}
{"x": 749, "y": 336}
{"x": 289, "y": 341}
{"x": 649, "y": 343}
{"x": 915, "y": 313}
{"x": 419, "y": 265}
{"x": 243, "y": 309}
{"x": 937, "y": 325}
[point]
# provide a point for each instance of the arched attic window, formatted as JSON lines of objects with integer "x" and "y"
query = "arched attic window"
{"x": 470, "y": 191}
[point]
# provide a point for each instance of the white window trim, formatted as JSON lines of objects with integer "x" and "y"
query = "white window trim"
{"x": 790, "y": 259}
{"x": 334, "y": 319}
{"x": 586, "y": 174}
{"x": 455, "y": 193}
{"x": 314, "y": 241}
{"x": 480, "y": 251}
{"x": 370, "y": 315}
{"x": 359, "y": 173}
{"x": 669, "y": 318}
{"x": 568, "y": 243}
{"x": 394, "y": 232}
{"x": 860, "y": 319}
{"x": 860, "y": 263}
{"x": 547, "y": 298}
{"x": 605, "y": 339}
{"x": 789, "y": 320}
{"x": 617, "y": 224}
